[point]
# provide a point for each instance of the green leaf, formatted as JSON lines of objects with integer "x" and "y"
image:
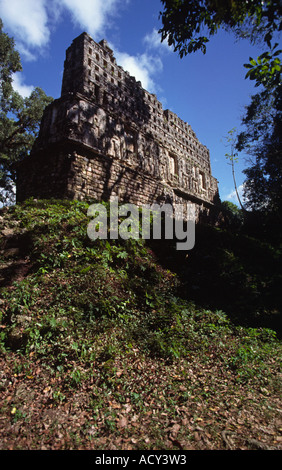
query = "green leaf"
{"x": 251, "y": 74}
{"x": 267, "y": 39}
{"x": 122, "y": 255}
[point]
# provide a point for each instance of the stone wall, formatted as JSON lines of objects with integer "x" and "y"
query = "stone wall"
{"x": 107, "y": 136}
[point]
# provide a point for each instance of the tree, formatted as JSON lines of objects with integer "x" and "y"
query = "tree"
{"x": 262, "y": 139}
{"x": 188, "y": 23}
{"x": 233, "y": 158}
{"x": 19, "y": 117}
{"x": 231, "y": 216}
{"x": 10, "y": 63}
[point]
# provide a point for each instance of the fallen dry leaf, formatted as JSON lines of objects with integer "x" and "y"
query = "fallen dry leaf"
{"x": 122, "y": 423}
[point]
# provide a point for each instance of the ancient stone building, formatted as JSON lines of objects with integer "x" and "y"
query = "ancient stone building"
{"x": 106, "y": 136}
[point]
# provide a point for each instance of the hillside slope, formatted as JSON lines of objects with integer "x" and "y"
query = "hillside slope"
{"x": 132, "y": 345}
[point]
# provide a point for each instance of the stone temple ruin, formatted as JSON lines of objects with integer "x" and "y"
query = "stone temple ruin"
{"x": 106, "y": 136}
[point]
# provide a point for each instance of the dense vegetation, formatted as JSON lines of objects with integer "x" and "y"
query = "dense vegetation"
{"x": 133, "y": 345}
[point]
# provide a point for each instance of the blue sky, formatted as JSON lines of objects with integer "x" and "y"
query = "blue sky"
{"x": 207, "y": 91}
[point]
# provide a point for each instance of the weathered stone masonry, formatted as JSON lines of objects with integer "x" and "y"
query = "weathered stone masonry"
{"x": 106, "y": 136}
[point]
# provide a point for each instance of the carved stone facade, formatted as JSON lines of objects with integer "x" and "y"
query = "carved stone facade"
{"x": 106, "y": 136}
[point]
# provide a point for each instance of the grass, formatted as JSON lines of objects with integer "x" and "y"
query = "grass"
{"x": 132, "y": 345}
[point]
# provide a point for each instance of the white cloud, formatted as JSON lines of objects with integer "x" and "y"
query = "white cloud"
{"x": 232, "y": 196}
{"x": 142, "y": 67}
{"x": 31, "y": 21}
{"x": 92, "y": 15}
{"x": 27, "y": 19}
{"x": 25, "y": 52}
{"x": 153, "y": 41}
{"x": 20, "y": 87}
